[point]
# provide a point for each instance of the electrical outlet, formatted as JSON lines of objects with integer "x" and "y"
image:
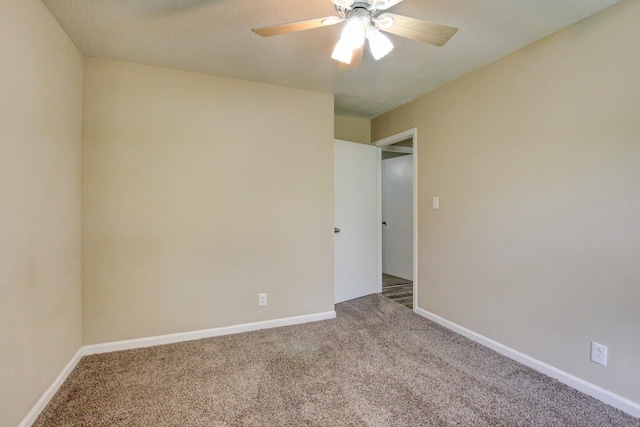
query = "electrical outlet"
{"x": 262, "y": 300}
{"x": 599, "y": 353}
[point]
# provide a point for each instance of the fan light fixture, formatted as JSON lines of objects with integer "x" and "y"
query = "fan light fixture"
{"x": 352, "y": 38}
{"x": 379, "y": 44}
{"x": 358, "y": 28}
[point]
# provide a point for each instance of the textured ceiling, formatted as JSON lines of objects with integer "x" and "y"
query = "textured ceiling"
{"x": 214, "y": 36}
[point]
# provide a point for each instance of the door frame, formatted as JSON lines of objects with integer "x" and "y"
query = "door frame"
{"x": 402, "y": 136}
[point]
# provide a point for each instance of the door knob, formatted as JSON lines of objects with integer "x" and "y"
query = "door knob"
{"x": 336, "y": 230}
{"x": 384, "y": 222}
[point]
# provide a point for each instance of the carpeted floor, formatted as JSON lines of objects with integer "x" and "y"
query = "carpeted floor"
{"x": 376, "y": 364}
{"x": 397, "y": 289}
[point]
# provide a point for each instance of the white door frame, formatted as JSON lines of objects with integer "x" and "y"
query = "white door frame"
{"x": 393, "y": 139}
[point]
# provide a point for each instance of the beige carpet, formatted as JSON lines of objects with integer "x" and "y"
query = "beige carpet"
{"x": 377, "y": 364}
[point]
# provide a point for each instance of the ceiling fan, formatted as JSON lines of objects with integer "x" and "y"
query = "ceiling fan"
{"x": 364, "y": 23}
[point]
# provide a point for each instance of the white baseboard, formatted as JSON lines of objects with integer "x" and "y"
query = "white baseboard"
{"x": 204, "y": 333}
{"x": 31, "y": 417}
{"x": 86, "y": 350}
{"x": 622, "y": 403}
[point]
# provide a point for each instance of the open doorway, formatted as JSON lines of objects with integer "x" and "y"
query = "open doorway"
{"x": 398, "y": 242}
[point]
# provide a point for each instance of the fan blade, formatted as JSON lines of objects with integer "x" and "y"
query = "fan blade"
{"x": 356, "y": 60}
{"x": 419, "y": 30}
{"x": 293, "y": 27}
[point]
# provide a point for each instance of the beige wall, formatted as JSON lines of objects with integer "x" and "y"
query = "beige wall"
{"x": 199, "y": 192}
{"x": 353, "y": 129}
{"x": 40, "y": 131}
{"x": 536, "y": 160}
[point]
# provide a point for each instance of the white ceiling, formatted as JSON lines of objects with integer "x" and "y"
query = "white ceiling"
{"x": 214, "y": 36}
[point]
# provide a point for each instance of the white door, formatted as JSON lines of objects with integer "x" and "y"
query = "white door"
{"x": 397, "y": 214}
{"x": 356, "y": 218}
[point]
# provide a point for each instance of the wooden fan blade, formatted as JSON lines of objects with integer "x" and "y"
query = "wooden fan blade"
{"x": 356, "y": 60}
{"x": 419, "y": 30}
{"x": 293, "y": 27}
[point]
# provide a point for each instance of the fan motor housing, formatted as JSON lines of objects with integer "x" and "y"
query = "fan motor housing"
{"x": 359, "y": 8}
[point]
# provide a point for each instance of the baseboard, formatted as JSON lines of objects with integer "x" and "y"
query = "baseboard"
{"x": 33, "y": 414}
{"x": 86, "y": 350}
{"x": 622, "y": 403}
{"x": 205, "y": 333}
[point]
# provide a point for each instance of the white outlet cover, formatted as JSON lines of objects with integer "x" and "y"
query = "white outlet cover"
{"x": 599, "y": 353}
{"x": 262, "y": 300}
